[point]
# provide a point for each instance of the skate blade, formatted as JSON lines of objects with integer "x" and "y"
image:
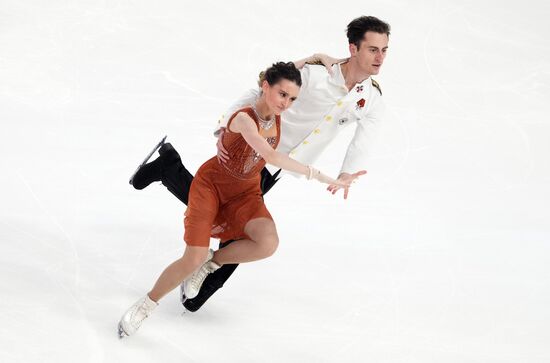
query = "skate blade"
{"x": 185, "y": 310}
{"x": 121, "y": 332}
{"x": 157, "y": 146}
{"x": 183, "y": 298}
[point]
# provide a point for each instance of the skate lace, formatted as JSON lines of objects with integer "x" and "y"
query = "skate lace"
{"x": 200, "y": 276}
{"x": 141, "y": 313}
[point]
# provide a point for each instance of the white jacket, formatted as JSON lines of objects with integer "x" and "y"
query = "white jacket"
{"x": 324, "y": 108}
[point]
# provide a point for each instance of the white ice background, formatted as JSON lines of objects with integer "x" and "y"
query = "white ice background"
{"x": 439, "y": 255}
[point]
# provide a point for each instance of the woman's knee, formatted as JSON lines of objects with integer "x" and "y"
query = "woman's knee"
{"x": 263, "y": 232}
{"x": 269, "y": 245}
{"x": 195, "y": 256}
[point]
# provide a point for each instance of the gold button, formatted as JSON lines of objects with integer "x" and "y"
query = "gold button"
{"x": 316, "y": 131}
{"x": 339, "y": 103}
{"x": 305, "y": 142}
{"x": 328, "y": 118}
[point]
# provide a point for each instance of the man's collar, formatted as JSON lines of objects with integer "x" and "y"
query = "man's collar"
{"x": 338, "y": 79}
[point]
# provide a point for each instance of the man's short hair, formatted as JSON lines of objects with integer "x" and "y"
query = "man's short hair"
{"x": 358, "y": 27}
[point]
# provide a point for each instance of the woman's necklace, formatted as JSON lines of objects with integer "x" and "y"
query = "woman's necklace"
{"x": 264, "y": 124}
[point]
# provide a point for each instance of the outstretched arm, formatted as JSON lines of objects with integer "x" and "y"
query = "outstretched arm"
{"x": 243, "y": 124}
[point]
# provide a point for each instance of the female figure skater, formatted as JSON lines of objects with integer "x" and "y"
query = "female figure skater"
{"x": 225, "y": 200}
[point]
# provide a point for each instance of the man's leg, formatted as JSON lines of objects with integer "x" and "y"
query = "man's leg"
{"x": 215, "y": 280}
{"x": 169, "y": 170}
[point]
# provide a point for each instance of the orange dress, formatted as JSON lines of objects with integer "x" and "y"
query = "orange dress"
{"x": 224, "y": 196}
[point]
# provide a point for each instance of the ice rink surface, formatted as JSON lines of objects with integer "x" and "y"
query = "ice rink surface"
{"x": 439, "y": 255}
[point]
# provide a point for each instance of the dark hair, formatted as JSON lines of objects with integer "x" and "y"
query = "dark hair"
{"x": 358, "y": 27}
{"x": 281, "y": 70}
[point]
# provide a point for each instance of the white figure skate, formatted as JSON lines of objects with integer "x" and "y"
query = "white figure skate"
{"x": 134, "y": 316}
{"x": 190, "y": 288}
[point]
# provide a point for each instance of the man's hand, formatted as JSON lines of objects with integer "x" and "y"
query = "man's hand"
{"x": 222, "y": 155}
{"x": 346, "y": 178}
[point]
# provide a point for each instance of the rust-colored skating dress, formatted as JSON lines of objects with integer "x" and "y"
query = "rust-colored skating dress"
{"x": 225, "y": 196}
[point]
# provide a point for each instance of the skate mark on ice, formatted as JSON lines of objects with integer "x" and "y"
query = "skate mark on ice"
{"x": 54, "y": 220}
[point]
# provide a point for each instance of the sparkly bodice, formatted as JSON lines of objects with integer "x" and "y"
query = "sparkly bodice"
{"x": 244, "y": 162}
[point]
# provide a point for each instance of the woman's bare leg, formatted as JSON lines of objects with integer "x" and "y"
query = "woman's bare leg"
{"x": 178, "y": 271}
{"x": 263, "y": 243}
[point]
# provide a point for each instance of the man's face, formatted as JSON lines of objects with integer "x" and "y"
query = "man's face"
{"x": 371, "y": 53}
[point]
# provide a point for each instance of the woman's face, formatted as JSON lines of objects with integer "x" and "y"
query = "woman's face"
{"x": 281, "y": 95}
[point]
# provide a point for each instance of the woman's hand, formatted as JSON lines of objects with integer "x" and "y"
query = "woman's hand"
{"x": 317, "y": 175}
{"x": 326, "y": 60}
{"x": 345, "y": 178}
{"x": 319, "y": 58}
